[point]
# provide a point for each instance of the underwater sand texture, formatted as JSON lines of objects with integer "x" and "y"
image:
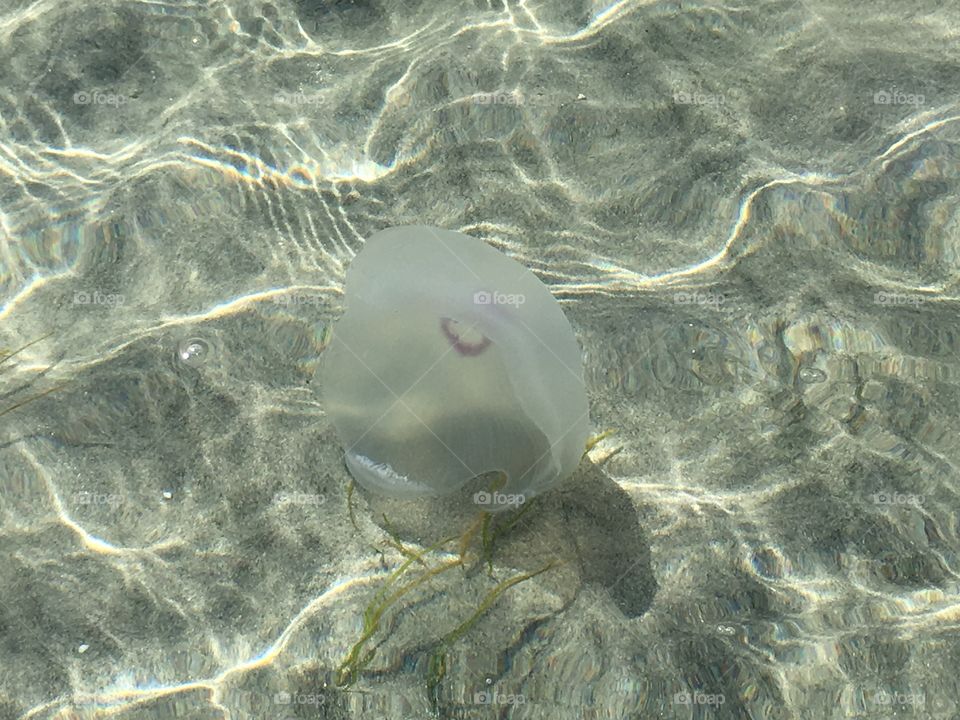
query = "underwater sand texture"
{"x": 749, "y": 215}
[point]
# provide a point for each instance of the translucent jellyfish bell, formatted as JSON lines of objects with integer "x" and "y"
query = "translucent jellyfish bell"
{"x": 452, "y": 361}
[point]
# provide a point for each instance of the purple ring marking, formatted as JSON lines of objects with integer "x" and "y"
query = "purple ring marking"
{"x": 467, "y": 349}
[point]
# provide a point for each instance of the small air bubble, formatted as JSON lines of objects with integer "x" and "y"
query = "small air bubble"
{"x": 811, "y": 375}
{"x": 193, "y": 351}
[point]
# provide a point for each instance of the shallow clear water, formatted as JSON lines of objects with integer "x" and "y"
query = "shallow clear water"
{"x": 749, "y": 214}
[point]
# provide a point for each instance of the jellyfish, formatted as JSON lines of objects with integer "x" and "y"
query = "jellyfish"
{"x": 451, "y": 362}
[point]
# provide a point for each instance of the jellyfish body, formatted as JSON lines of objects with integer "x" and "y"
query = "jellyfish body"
{"x": 452, "y": 361}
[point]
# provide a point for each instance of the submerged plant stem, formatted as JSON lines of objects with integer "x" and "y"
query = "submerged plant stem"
{"x": 19, "y": 404}
{"x": 20, "y": 349}
{"x": 438, "y": 664}
{"x": 29, "y": 400}
{"x": 350, "y": 668}
{"x": 353, "y": 520}
{"x": 357, "y": 659}
{"x": 595, "y": 440}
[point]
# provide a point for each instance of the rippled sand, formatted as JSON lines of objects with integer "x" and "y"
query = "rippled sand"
{"x": 749, "y": 214}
